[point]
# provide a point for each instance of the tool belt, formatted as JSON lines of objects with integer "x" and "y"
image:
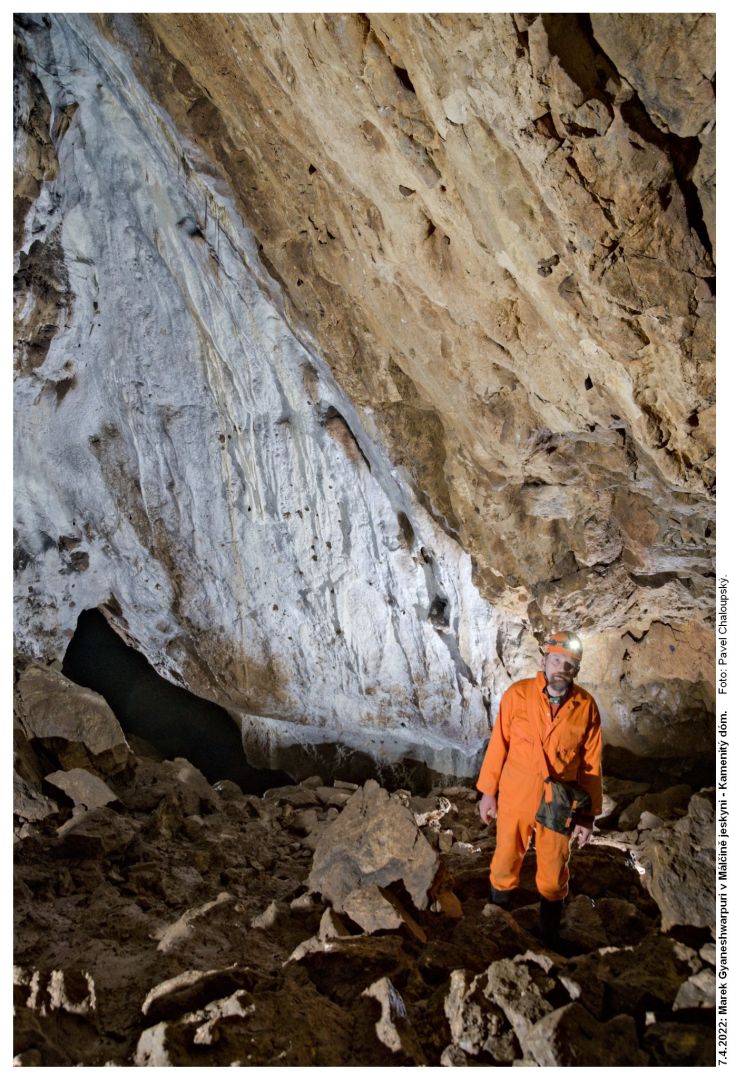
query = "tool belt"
{"x": 561, "y": 801}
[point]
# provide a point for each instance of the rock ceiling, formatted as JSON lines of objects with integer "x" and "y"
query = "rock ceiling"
{"x": 355, "y": 351}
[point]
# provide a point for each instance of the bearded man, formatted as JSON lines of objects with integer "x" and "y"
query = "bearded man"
{"x": 544, "y": 721}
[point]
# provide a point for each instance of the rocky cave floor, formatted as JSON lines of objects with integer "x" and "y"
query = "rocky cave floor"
{"x": 173, "y": 926}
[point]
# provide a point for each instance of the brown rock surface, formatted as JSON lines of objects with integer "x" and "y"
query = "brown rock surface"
{"x": 51, "y": 707}
{"x": 585, "y": 286}
{"x": 570, "y": 1035}
{"x": 373, "y": 841}
{"x": 681, "y": 864}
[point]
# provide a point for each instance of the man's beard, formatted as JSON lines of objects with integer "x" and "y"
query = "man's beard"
{"x": 560, "y": 684}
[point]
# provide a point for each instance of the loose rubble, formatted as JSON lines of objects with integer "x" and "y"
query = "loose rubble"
{"x": 162, "y": 921}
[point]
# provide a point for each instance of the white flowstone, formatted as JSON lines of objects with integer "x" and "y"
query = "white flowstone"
{"x": 220, "y": 486}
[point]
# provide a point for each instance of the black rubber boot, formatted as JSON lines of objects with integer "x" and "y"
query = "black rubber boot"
{"x": 501, "y": 897}
{"x": 550, "y": 915}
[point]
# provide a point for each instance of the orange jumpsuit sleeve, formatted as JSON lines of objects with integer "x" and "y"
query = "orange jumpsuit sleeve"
{"x": 497, "y": 749}
{"x": 589, "y": 775}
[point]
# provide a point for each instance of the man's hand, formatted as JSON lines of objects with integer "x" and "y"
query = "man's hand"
{"x": 582, "y": 834}
{"x": 487, "y": 809}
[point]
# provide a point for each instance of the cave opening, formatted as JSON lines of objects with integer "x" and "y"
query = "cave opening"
{"x": 173, "y": 720}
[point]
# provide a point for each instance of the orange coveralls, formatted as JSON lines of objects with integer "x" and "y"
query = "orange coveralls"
{"x": 513, "y": 770}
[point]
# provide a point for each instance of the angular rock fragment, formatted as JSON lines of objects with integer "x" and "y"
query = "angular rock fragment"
{"x": 333, "y": 796}
{"x": 667, "y": 804}
{"x": 374, "y": 908}
{"x": 374, "y": 841}
{"x": 681, "y": 863}
{"x": 708, "y": 953}
{"x": 54, "y": 708}
{"x": 175, "y": 935}
{"x": 98, "y": 832}
{"x": 676, "y": 1044}
{"x": 28, "y": 803}
{"x": 523, "y": 990}
{"x": 571, "y": 1036}
{"x": 582, "y": 925}
{"x": 191, "y": 990}
{"x": 393, "y": 1028}
{"x": 83, "y": 788}
{"x": 635, "y": 978}
{"x": 268, "y": 918}
{"x": 698, "y": 992}
{"x": 478, "y": 1026}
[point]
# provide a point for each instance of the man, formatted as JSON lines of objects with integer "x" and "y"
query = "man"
{"x": 552, "y": 710}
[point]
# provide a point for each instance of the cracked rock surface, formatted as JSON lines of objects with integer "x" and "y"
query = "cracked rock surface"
{"x": 352, "y": 352}
{"x": 187, "y": 924}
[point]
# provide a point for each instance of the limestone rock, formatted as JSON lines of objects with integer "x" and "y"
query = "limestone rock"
{"x": 28, "y": 803}
{"x": 393, "y": 1027}
{"x": 191, "y": 990}
{"x": 54, "y": 708}
{"x": 331, "y": 796}
{"x": 478, "y": 1027}
{"x": 522, "y": 989}
{"x": 175, "y": 936}
{"x": 374, "y": 908}
{"x": 571, "y": 1036}
{"x": 97, "y": 832}
{"x": 681, "y": 866}
{"x": 268, "y": 918}
{"x": 665, "y": 804}
{"x": 83, "y": 788}
{"x": 374, "y": 841}
{"x": 635, "y": 978}
{"x": 673, "y": 83}
{"x": 343, "y": 377}
{"x": 708, "y": 953}
{"x": 698, "y": 992}
{"x": 672, "y": 1044}
{"x": 617, "y": 794}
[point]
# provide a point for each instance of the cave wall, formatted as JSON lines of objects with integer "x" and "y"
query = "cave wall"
{"x": 354, "y": 352}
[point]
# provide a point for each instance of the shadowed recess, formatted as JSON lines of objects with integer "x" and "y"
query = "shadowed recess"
{"x": 176, "y": 722}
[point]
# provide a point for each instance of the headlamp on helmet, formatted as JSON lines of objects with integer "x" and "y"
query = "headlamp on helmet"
{"x": 563, "y": 641}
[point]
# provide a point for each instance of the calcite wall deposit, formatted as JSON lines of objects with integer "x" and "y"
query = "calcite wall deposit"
{"x": 353, "y": 352}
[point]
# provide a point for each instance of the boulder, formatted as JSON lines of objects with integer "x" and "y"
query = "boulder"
{"x": 374, "y": 908}
{"x": 375, "y": 840}
{"x": 673, "y": 1044}
{"x": 51, "y": 707}
{"x": 28, "y": 803}
{"x": 478, "y": 1026}
{"x": 393, "y": 1028}
{"x": 175, "y": 936}
{"x": 82, "y": 787}
{"x": 95, "y": 833}
{"x": 523, "y": 990}
{"x": 333, "y": 796}
{"x": 634, "y": 979}
{"x": 571, "y": 1036}
{"x": 268, "y": 918}
{"x": 192, "y": 989}
{"x": 698, "y": 992}
{"x": 680, "y": 860}
{"x": 667, "y": 804}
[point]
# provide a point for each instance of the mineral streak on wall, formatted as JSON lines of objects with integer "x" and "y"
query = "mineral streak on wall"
{"x": 185, "y": 460}
{"x": 348, "y": 348}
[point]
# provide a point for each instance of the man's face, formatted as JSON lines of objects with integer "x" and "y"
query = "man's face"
{"x": 559, "y": 671}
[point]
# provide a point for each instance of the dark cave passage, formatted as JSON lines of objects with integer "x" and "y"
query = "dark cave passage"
{"x": 173, "y": 720}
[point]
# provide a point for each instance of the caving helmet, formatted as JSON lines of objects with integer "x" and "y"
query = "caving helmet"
{"x": 563, "y": 641}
